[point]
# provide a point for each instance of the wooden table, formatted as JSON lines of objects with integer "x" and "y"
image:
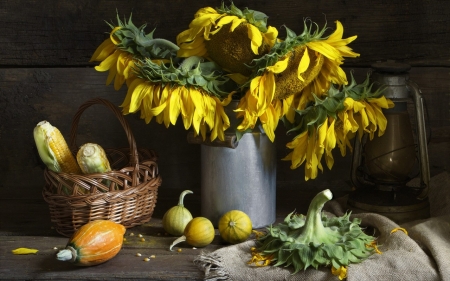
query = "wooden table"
{"x": 32, "y": 229}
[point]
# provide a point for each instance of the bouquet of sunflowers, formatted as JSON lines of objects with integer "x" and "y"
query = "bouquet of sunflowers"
{"x": 228, "y": 53}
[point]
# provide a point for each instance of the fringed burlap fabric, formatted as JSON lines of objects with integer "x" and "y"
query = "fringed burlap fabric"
{"x": 423, "y": 254}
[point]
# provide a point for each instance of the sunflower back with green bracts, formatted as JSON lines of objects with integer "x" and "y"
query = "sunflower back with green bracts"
{"x": 282, "y": 48}
{"x": 256, "y": 18}
{"x": 133, "y": 40}
{"x": 315, "y": 114}
{"x": 316, "y": 240}
{"x": 191, "y": 72}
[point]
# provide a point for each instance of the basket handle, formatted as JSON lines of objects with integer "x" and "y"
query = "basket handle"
{"x": 134, "y": 158}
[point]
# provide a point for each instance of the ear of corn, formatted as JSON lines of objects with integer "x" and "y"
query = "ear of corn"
{"x": 53, "y": 149}
{"x": 92, "y": 159}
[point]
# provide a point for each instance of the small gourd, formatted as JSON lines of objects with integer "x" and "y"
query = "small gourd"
{"x": 235, "y": 226}
{"x": 199, "y": 232}
{"x": 176, "y": 218}
{"x": 94, "y": 243}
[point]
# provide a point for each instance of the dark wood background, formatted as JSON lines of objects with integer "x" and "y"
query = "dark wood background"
{"x": 45, "y": 75}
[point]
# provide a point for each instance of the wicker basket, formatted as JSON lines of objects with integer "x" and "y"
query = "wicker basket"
{"x": 126, "y": 195}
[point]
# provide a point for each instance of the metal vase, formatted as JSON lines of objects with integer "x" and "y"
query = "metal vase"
{"x": 241, "y": 178}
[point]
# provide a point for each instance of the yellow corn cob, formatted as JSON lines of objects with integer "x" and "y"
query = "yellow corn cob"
{"x": 92, "y": 159}
{"x": 53, "y": 149}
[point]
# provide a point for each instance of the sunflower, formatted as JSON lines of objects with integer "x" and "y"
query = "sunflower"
{"x": 228, "y": 36}
{"x": 334, "y": 120}
{"x": 293, "y": 70}
{"x": 127, "y": 44}
{"x": 195, "y": 90}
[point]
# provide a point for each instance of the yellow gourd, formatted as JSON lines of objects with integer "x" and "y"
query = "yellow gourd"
{"x": 176, "y": 218}
{"x": 94, "y": 243}
{"x": 235, "y": 226}
{"x": 199, "y": 232}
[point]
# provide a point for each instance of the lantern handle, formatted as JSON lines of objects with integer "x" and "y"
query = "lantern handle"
{"x": 422, "y": 139}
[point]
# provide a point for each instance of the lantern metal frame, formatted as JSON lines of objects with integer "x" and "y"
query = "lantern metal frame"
{"x": 402, "y": 204}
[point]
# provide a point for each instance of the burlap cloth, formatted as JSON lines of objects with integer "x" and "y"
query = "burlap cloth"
{"x": 423, "y": 254}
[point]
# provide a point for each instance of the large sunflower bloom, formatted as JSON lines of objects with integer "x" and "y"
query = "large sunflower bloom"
{"x": 296, "y": 68}
{"x": 228, "y": 36}
{"x": 369, "y": 115}
{"x": 166, "y": 93}
{"x": 124, "y": 47}
{"x": 255, "y": 105}
{"x": 119, "y": 63}
{"x": 334, "y": 120}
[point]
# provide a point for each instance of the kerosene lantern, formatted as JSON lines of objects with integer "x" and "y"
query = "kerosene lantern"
{"x": 382, "y": 167}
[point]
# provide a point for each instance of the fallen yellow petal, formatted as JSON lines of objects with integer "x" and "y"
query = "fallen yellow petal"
{"x": 340, "y": 272}
{"x": 374, "y": 245}
{"x": 24, "y": 251}
{"x": 399, "y": 228}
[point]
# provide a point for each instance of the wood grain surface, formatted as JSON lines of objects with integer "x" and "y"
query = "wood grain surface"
{"x": 66, "y": 33}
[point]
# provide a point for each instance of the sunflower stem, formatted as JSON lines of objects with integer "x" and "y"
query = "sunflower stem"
{"x": 190, "y": 62}
{"x": 162, "y": 43}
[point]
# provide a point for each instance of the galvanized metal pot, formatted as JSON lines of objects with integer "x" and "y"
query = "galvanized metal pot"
{"x": 241, "y": 178}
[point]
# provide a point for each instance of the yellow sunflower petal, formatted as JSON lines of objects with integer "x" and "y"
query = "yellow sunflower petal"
{"x": 303, "y": 65}
{"x": 340, "y": 272}
{"x": 106, "y": 48}
{"x": 114, "y": 38}
{"x": 108, "y": 63}
{"x": 399, "y": 229}
{"x": 139, "y": 93}
{"x": 174, "y": 105}
{"x": 270, "y": 36}
{"x": 24, "y": 251}
{"x": 325, "y": 49}
{"x": 255, "y": 36}
{"x": 279, "y": 66}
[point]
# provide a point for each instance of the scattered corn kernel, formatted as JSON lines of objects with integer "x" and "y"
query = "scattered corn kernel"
{"x": 146, "y": 259}
{"x": 138, "y": 255}
{"x": 124, "y": 239}
{"x": 179, "y": 250}
{"x": 152, "y": 256}
{"x": 194, "y": 248}
{"x": 55, "y": 248}
{"x": 142, "y": 239}
{"x": 140, "y": 235}
{"x": 131, "y": 234}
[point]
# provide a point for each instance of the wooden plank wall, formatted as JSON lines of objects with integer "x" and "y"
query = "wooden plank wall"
{"x": 45, "y": 74}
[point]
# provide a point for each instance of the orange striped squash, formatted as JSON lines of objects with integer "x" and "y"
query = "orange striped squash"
{"x": 94, "y": 243}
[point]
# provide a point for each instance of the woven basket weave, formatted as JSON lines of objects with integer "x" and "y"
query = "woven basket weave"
{"x": 126, "y": 195}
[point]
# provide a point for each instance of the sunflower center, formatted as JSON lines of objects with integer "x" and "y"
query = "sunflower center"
{"x": 232, "y": 50}
{"x": 287, "y": 82}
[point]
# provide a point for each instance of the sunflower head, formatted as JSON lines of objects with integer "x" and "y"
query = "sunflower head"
{"x": 302, "y": 63}
{"x": 332, "y": 104}
{"x": 133, "y": 40}
{"x": 229, "y": 36}
{"x": 191, "y": 72}
{"x": 232, "y": 50}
